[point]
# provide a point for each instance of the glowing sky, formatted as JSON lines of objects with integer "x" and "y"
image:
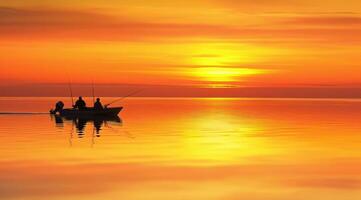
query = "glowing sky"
{"x": 221, "y": 43}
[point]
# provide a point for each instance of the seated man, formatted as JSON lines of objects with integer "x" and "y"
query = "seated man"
{"x": 80, "y": 104}
{"x": 98, "y": 105}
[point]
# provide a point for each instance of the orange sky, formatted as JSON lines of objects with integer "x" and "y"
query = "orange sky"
{"x": 204, "y": 43}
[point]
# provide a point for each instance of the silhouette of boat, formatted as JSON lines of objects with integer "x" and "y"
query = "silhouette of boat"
{"x": 89, "y": 112}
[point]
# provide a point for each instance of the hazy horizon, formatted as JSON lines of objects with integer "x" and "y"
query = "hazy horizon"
{"x": 115, "y": 90}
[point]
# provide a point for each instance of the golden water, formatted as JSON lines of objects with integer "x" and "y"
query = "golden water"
{"x": 227, "y": 149}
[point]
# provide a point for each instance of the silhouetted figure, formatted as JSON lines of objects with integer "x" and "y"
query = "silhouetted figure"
{"x": 80, "y": 104}
{"x": 98, "y": 105}
{"x": 58, "y": 107}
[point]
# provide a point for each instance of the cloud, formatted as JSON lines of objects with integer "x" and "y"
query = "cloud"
{"x": 327, "y": 20}
{"x": 88, "y": 26}
{"x": 43, "y": 17}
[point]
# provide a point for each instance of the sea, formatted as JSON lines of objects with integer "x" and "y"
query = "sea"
{"x": 183, "y": 148}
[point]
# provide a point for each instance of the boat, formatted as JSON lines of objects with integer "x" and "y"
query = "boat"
{"x": 88, "y": 112}
{"x": 113, "y": 111}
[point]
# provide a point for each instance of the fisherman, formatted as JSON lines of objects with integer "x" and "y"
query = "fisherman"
{"x": 58, "y": 107}
{"x": 80, "y": 104}
{"x": 98, "y": 105}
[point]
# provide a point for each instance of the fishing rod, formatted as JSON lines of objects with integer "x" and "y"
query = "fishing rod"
{"x": 71, "y": 93}
{"x": 116, "y": 100}
{"x": 93, "y": 93}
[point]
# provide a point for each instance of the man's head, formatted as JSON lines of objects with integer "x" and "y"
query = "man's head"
{"x": 98, "y": 99}
{"x": 80, "y": 98}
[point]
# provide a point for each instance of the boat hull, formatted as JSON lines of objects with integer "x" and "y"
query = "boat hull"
{"x": 91, "y": 112}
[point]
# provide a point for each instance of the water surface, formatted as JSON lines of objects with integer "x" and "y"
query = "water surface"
{"x": 254, "y": 149}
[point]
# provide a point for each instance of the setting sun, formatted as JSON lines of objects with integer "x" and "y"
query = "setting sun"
{"x": 224, "y": 74}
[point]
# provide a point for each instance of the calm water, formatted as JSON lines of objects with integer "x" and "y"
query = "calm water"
{"x": 202, "y": 149}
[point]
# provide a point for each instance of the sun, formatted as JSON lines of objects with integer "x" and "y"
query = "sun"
{"x": 223, "y": 62}
{"x": 224, "y": 74}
